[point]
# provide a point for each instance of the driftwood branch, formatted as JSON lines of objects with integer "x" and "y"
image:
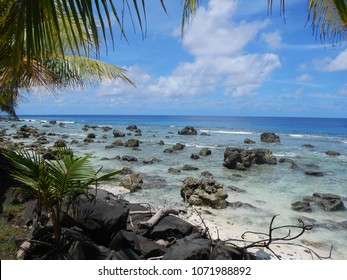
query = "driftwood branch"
{"x": 157, "y": 217}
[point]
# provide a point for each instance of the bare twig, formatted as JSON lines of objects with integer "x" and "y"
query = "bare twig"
{"x": 271, "y": 240}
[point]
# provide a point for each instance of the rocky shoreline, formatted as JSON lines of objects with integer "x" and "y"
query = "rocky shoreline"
{"x": 125, "y": 236}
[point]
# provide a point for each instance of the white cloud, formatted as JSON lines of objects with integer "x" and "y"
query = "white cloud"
{"x": 304, "y": 78}
{"x": 272, "y": 39}
{"x": 339, "y": 63}
{"x": 220, "y": 65}
{"x": 213, "y": 34}
{"x": 217, "y": 44}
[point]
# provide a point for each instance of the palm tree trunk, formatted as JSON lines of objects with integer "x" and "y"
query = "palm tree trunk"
{"x": 56, "y": 226}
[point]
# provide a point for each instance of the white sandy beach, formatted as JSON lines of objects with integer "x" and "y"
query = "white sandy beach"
{"x": 202, "y": 217}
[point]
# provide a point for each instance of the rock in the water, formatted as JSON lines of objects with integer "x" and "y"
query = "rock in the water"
{"x": 308, "y": 146}
{"x": 206, "y": 174}
{"x": 178, "y": 146}
{"x": 205, "y": 152}
{"x": 194, "y": 156}
{"x": 301, "y": 206}
{"x": 291, "y": 162}
{"x": 132, "y": 182}
{"x": 129, "y": 158}
{"x": 332, "y": 153}
{"x": 168, "y": 150}
{"x": 132, "y": 127}
{"x": 174, "y": 170}
{"x": 131, "y": 143}
{"x": 269, "y": 137}
{"x": 332, "y": 204}
{"x": 248, "y": 141}
{"x": 206, "y": 192}
{"x": 327, "y": 201}
{"x": 188, "y": 167}
{"x": 314, "y": 173}
{"x": 152, "y": 161}
{"x": 188, "y": 130}
{"x": 241, "y": 159}
{"x": 117, "y": 133}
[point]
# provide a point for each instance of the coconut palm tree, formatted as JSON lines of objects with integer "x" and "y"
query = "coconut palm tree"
{"x": 57, "y": 183}
{"x": 50, "y": 43}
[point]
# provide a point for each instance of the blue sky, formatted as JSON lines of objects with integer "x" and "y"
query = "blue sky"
{"x": 234, "y": 59}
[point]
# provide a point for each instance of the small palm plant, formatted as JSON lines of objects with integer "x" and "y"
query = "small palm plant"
{"x": 57, "y": 183}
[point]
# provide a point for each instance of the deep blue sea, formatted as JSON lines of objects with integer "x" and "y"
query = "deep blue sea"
{"x": 270, "y": 189}
{"x": 317, "y": 126}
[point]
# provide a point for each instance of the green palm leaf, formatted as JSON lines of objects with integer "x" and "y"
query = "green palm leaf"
{"x": 49, "y": 42}
{"x": 81, "y": 71}
{"x": 329, "y": 19}
{"x": 57, "y": 183}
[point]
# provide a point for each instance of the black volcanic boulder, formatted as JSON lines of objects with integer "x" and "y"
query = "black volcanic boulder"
{"x": 269, "y": 137}
{"x": 188, "y": 130}
{"x": 132, "y": 127}
{"x": 192, "y": 247}
{"x": 178, "y": 146}
{"x": 100, "y": 219}
{"x": 248, "y": 141}
{"x": 332, "y": 153}
{"x": 117, "y": 133}
{"x": 241, "y": 159}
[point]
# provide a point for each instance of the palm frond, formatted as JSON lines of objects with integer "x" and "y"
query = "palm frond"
{"x": 189, "y": 9}
{"x": 81, "y": 71}
{"x": 270, "y": 4}
{"x": 329, "y": 19}
{"x": 68, "y": 172}
{"x": 26, "y": 166}
{"x": 8, "y": 100}
{"x": 37, "y": 26}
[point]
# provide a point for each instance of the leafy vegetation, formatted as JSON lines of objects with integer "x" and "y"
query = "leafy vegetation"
{"x": 57, "y": 183}
{"x": 49, "y": 44}
{"x": 10, "y": 233}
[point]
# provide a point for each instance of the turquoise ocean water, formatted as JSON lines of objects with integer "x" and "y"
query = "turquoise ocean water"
{"x": 269, "y": 188}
